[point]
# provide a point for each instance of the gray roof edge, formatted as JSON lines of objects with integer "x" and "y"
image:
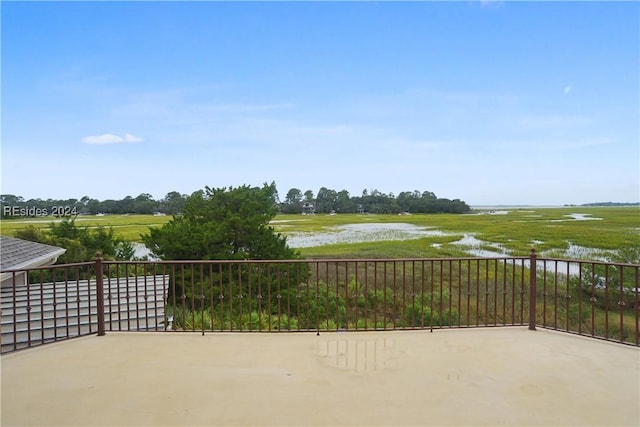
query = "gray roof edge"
{"x": 39, "y": 261}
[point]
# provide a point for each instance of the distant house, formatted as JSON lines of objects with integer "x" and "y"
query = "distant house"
{"x": 16, "y": 254}
{"x": 308, "y": 209}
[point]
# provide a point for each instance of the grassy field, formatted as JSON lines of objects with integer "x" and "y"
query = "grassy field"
{"x": 549, "y": 230}
{"x": 516, "y": 230}
{"x": 129, "y": 227}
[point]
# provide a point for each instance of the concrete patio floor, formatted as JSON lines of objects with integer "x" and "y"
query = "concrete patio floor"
{"x": 471, "y": 377}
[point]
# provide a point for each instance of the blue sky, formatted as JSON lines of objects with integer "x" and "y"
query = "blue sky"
{"x": 488, "y": 102}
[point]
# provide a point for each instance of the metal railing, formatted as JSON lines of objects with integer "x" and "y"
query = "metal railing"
{"x": 595, "y": 299}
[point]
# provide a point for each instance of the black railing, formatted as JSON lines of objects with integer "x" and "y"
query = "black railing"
{"x": 595, "y": 299}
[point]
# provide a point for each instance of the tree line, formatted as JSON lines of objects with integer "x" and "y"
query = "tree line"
{"x": 370, "y": 201}
{"x": 295, "y": 201}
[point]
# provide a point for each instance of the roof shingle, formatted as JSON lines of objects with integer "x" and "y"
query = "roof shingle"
{"x": 18, "y": 253}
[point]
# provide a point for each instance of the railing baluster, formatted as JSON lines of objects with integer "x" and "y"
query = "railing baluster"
{"x": 495, "y": 292}
{"x": 375, "y": 294}
{"x": 358, "y": 294}
{"x": 346, "y": 295}
{"x": 568, "y": 297}
{"x": 606, "y": 301}
{"x": 468, "y": 292}
{"x": 621, "y": 304}
{"x": 636, "y": 305}
{"x": 42, "y": 309}
{"x": 99, "y": 295}
{"x": 450, "y": 298}
{"x": 459, "y": 292}
{"x": 579, "y": 291}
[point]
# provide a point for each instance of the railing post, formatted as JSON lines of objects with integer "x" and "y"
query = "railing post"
{"x": 532, "y": 289}
{"x": 99, "y": 294}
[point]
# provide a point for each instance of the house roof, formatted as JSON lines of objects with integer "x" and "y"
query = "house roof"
{"x": 18, "y": 254}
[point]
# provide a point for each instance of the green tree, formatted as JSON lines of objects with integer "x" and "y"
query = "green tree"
{"x": 81, "y": 243}
{"x": 308, "y": 196}
{"x": 292, "y": 202}
{"x": 344, "y": 203}
{"x": 326, "y": 200}
{"x": 144, "y": 204}
{"x": 173, "y": 202}
{"x": 221, "y": 223}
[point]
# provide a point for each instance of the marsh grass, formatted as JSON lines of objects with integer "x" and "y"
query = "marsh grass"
{"x": 127, "y": 227}
{"x": 517, "y": 231}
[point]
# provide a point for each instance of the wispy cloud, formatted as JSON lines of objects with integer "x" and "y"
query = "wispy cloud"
{"x": 549, "y": 122}
{"x": 574, "y": 144}
{"x": 551, "y": 144}
{"x": 109, "y": 138}
{"x": 491, "y": 3}
{"x": 567, "y": 89}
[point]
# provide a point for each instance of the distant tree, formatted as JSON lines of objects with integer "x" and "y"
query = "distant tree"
{"x": 126, "y": 205}
{"x": 308, "y": 196}
{"x": 221, "y": 223}
{"x": 9, "y": 201}
{"x": 144, "y": 204}
{"x": 292, "y": 202}
{"x": 173, "y": 203}
{"x": 93, "y": 206}
{"x": 344, "y": 203}
{"x": 326, "y": 200}
{"x": 109, "y": 206}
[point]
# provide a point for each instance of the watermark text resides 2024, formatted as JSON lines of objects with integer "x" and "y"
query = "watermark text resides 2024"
{"x": 32, "y": 211}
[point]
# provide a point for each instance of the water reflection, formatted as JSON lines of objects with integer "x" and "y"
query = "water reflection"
{"x": 140, "y": 251}
{"x": 475, "y": 247}
{"x": 356, "y": 233}
{"x": 357, "y": 354}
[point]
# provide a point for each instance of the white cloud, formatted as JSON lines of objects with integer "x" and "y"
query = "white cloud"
{"x": 109, "y": 138}
{"x": 132, "y": 138}
{"x": 491, "y": 3}
{"x": 532, "y": 122}
{"x": 567, "y": 89}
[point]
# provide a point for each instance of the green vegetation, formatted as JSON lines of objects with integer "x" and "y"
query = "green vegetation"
{"x": 403, "y": 294}
{"x": 371, "y": 201}
{"x": 549, "y": 230}
{"x": 81, "y": 243}
{"x": 282, "y": 296}
{"x": 347, "y": 295}
{"x": 597, "y": 300}
{"x": 612, "y": 229}
{"x": 126, "y": 227}
{"x": 16, "y": 206}
{"x": 222, "y": 223}
{"x": 326, "y": 201}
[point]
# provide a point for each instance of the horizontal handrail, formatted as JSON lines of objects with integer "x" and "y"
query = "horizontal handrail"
{"x": 591, "y": 298}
